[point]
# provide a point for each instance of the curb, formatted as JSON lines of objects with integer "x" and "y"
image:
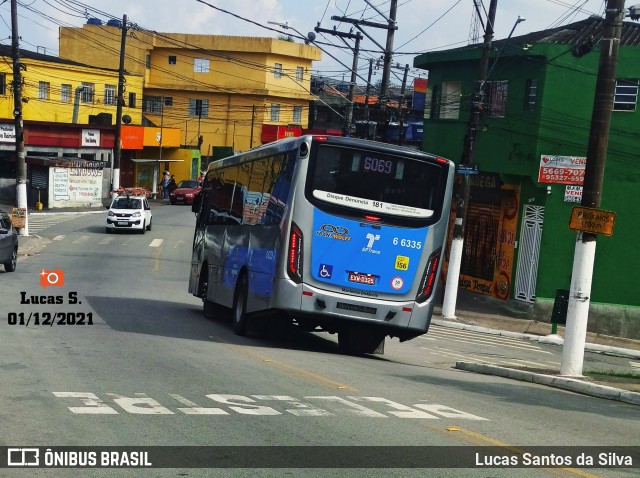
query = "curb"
{"x": 550, "y": 339}
{"x": 565, "y": 383}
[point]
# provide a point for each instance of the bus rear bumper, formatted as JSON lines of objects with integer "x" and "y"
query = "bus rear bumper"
{"x": 329, "y": 310}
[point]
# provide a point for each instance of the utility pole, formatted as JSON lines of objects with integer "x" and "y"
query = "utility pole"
{"x": 388, "y": 52}
{"x": 468, "y": 160}
{"x": 401, "y": 102}
{"x": 117, "y": 146}
{"x": 21, "y": 165}
{"x": 391, "y": 27}
{"x": 585, "y": 250}
{"x": 348, "y": 117}
{"x": 253, "y": 119}
{"x": 366, "y": 98}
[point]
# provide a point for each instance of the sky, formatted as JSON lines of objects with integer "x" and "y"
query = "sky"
{"x": 423, "y": 25}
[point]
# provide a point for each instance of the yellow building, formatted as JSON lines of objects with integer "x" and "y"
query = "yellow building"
{"x": 62, "y": 91}
{"x": 218, "y": 91}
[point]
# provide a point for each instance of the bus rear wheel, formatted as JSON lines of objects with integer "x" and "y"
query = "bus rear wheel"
{"x": 208, "y": 307}
{"x": 240, "y": 321}
{"x": 355, "y": 340}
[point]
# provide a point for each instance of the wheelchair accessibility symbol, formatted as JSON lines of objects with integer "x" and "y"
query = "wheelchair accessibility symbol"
{"x": 325, "y": 271}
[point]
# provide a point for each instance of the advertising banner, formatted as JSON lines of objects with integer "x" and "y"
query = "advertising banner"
{"x": 562, "y": 169}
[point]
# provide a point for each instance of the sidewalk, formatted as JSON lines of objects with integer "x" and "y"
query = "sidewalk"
{"x": 475, "y": 314}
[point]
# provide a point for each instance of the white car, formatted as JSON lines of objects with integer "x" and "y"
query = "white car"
{"x": 129, "y": 212}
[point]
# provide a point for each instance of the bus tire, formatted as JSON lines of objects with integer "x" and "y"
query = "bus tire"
{"x": 208, "y": 307}
{"x": 240, "y": 306}
{"x": 359, "y": 341}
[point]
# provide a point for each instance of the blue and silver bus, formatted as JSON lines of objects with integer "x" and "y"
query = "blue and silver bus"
{"x": 335, "y": 234}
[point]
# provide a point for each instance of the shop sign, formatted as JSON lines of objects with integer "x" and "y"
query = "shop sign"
{"x": 91, "y": 137}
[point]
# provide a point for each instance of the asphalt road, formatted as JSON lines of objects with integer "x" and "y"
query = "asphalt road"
{"x": 150, "y": 370}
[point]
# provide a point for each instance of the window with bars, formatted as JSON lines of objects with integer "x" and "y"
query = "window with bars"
{"x": 277, "y": 70}
{"x": 495, "y": 98}
{"x": 87, "y": 92}
{"x": 152, "y": 104}
{"x": 109, "y": 94}
{"x": 626, "y": 95}
{"x": 65, "y": 93}
{"x": 43, "y": 90}
{"x": 198, "y": 107}
{"x": 132, "y": 100}
{"x": 3, "y": 84}
{"x": 297, "y": 114}
{"x": 275, "y": 112}
{"x": 444, "y": 100}
{"x": 201, "y": 65}
{"x": 299, "y": 73}
{"x": 531, "y": 95}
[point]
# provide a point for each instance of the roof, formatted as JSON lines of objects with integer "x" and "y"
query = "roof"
{"x": 589, "y": 30}
{"x": 7, "y": 51}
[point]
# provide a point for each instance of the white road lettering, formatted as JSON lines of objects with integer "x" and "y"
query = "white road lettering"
{"x": 92, "y": 404}
{"x": 300, "y": 409}
{"x": 404, "y": 411}
{"x": 142, "y": 405}
{"x": 447, "y": 412}
{"x": 354, "y": 408}
{"x": 195, "y": 409}
{"x": 232, "y": 402}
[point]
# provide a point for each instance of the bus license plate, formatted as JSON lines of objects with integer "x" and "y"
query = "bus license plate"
{"x": 359, "y": 278}
{"x": 356, "y": 308}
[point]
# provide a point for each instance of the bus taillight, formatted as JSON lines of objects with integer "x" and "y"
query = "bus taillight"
{"x": 429, "y": 278}
{"x": 294, "y": 255}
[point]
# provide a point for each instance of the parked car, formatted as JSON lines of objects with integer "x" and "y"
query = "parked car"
{"x": 185, "y": 192}
{"x": 8, "y": 243}
{"x": 129, "y": 212}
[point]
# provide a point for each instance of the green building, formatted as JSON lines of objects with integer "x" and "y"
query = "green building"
{"x": 531, "y": 151}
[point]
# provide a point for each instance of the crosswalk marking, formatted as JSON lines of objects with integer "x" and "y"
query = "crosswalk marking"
{"x": 474, "y": 358}
{"x": 634, "y": 364}
{"x": 106, "y": 240}
{"x": 487, "y": 341}
{"x": 156, "y": 243}
{"x": 59, "y": 238}
{"x": 80, "y": 240}
{"x": 39, "y": 222}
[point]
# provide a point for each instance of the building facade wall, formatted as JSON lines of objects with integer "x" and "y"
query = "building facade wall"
{"x": 235, "y": 76}
{"x": 559, "y": 125}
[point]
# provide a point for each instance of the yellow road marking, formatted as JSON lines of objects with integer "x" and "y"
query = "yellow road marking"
{"x": 300, "y": 372}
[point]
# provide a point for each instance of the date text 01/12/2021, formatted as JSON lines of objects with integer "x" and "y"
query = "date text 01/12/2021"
{"x": 49, "y": 318}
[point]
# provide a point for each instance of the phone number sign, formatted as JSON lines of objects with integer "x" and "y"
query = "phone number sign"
{"x": 562, "y": 169}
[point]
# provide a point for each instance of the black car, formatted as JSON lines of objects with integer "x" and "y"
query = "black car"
{"x": 8, "y": 243}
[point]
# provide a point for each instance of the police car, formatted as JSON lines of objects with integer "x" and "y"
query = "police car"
{"x": 129, "y": 212}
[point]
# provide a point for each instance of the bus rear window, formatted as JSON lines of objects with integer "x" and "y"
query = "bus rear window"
{"x": 377, "y": 182}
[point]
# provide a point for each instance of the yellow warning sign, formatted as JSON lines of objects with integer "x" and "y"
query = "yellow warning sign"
{"x": 595, "y": 221}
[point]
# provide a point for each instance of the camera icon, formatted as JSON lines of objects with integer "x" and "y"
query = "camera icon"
{"x": 52, "y": 278}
